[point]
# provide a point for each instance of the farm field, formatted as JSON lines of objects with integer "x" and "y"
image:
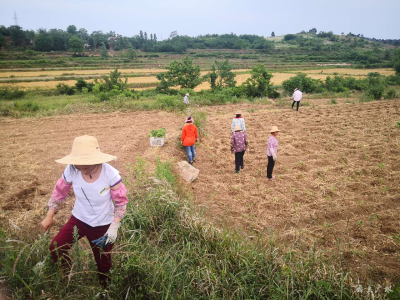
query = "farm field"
{"x": 337, "y": 186}
{"x": 240, "y": 78}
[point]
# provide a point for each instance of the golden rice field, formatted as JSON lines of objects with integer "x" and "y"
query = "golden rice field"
{"x": 7, "y": 74}
{"x": 277, "y": 78}
{"x": 349, "y": 72}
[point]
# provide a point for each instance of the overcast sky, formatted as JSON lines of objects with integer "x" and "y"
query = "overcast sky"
{"x": 373, "y": 18}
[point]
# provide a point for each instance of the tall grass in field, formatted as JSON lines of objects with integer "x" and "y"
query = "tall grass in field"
{"x": 166, "y": 250}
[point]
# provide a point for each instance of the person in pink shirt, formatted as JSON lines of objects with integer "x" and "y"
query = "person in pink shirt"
{"x": 238, "y": 146}
{"x": 100, "y": 204}
{"x": 272, "y": 151}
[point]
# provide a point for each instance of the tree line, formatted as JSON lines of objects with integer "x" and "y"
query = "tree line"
{"x": 60, "y": 40}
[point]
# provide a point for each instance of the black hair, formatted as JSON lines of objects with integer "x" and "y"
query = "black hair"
{"x": 238, "y": 115}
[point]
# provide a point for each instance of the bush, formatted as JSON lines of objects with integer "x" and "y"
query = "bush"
{"x": 289, "y": 37}
{"x": 390, "y": 94}
{"x": 333, "y": 101}
{"x": 11, "y": 93}
{"x": 259, "y": 84}
{"x": 81, "y": 83}
{"x": 376, "y": 85}
{"x": 393, "y": 80}
{"x": 26, "y": 106}
{"x": 169, "y": 103}
{"x": 112, "y": 82}
{"x": 64, "y": 89}
{"x": 304, "y": 83}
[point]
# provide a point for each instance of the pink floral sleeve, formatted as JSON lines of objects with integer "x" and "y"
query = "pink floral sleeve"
{"x": 120, "y": 201}
{"x": 59, "y": 194}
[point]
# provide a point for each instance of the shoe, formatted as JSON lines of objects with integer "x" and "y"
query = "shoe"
{"x": 242, "y": 167}
{"x": 237, "y": 172}
{"x": 190, "y": 162}
{"x": 194, "y": 160}
{"x": 273, "y": 177}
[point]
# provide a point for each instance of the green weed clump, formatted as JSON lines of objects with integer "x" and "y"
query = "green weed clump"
{"x": 333, "y": 101}
{"x": 28, "y": 106}
{"x": 166, "y": 250}
{"x": 64, "y": 89}
{"x": 390, "y": 94}
{"x": 11, "y": 93}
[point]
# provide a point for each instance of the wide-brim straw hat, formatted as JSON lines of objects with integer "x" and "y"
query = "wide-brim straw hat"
{"x": 237, "y": 128}
{"x": 85, "y": 151}
{"x": 187, "y": 94}
{"x": 274, "y": 129}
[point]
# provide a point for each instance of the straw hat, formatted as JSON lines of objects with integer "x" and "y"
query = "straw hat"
{"x": 274, "y": 129}
{"x": 86, "y": 151}
{"x": 237, "y": 128}
{"x": 187, "y": 94}
{"x": 238, "y": 112}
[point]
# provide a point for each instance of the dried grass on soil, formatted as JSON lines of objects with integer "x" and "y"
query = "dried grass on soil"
{"x": 337, "y": 185}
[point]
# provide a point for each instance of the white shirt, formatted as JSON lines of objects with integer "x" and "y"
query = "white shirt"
{"x": 186, "y": 99}
{"x": 297, "y": 95}
{"x": 93, "y": 204}
{"x": 238, "y": 122}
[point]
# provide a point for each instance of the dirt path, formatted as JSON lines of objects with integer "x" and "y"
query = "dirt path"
{"x": 337, "y": 185}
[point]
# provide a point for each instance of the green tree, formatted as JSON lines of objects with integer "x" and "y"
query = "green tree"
{"x": 2, "y": 41}
{"x": 104, "y": 52}
{"x": 43, "y": 41}
{"x": 225, "y": 74}
{"x": 131, "y": 54}
{"x": 60, "y": 39}
{"x": 273, "y": 34}
{"x": 71, "y": 29}
{"x": 17, "y": 35}
{"x": 213, "y": 77}
{"x": 75, "y": 44}
{"x": 259, "y": 84}
{"x": 183, "y": 74}
{"x": 83, "y": 33}
{"x": 112, "y": 82}
{"x": 396, "y": 62}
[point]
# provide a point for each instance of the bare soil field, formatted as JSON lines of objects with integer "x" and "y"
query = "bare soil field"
{"x": 337, "y": 174}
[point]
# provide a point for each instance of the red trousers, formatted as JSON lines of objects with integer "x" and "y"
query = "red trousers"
{"x": 65, "y": 238}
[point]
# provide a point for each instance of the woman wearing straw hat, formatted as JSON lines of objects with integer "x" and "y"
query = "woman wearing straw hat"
{"x": 272, "y": 151}
{"x": 99, "y": 206}
{"x": 238, "y": 121}
{"x": 238, "y": 145}
{"x": 189, "y": 138}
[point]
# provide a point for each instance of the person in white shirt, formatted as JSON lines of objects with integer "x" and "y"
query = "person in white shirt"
{"x": 99, "y": 206}
{"x": 186, "y": 99}
{"x": 297, "y": 95}
{"x": 238, "y": 121}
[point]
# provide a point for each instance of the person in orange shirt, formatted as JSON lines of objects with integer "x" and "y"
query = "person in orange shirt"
{"x": 189, "y": 138}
